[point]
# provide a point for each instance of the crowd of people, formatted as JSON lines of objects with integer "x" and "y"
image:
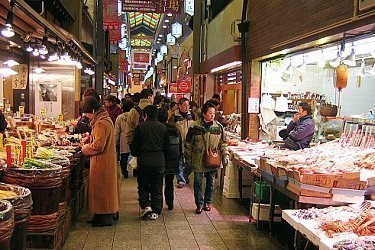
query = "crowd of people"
{"x": 168, "y": 139}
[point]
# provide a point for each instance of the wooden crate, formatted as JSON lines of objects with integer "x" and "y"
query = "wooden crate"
{"x": 67, "y": 222}
{"x": 50, "y": 240}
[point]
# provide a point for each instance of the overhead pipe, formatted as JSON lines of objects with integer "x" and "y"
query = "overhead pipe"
{"x": 243, "y": 28}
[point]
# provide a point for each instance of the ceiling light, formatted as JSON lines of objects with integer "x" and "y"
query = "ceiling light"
{"x": 29, "y": 48}
{"x": 79, "y": 65}
{"x": 166, "y": 20}
{"x": 38, "y": 70}
{"x": 361, "y": 71}
{"x": 35, "y": 52}
{"x": 227, "y": 66}
{"x": 350, "y": 59}
{"x": 42, "y": 57}
{"x": 89, "y": 71}
{"x": 157, "y": 42}
{"x": 165, "y": 26}
{"x": 169, "y": 14}
{"x": 7, "y": 31}
{"x": 43, "y": 50}
{"x": 160, "y": 35}
{"x": 175, "y": 67}
{"x": 5, "y": 72}
{"x": 53, "y": 57}
{"x": 336, "y": 62}
{"x": 10, "y": 63}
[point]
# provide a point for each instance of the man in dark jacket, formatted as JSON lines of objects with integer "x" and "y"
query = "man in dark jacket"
{"x": 113, "y": 109}
{"x": 150, "y": 145}
{"x": 300, "y": 131}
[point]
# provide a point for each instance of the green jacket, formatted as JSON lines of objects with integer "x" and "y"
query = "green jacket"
{"x": 195, "y": 144}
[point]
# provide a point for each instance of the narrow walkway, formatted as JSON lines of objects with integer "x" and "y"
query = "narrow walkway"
{"x": 225, "y": 227}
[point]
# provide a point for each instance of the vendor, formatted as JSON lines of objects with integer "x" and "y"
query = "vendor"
{"x": 301, "y": 130}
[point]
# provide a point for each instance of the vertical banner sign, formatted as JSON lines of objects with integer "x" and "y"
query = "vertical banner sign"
{"x": 177, "y": 29}
{"x": 171, "y": 39}
{"x": 111, "y": 21}
{"x": 19, "y": 81}
{"x": 122, "y": 61}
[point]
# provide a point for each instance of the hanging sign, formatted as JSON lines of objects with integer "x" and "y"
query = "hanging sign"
{"x": 141, "y": 58}
{"x": 110, "y": 11}
{"x": 114, "y": 31}
{"x": 19, "y": 81}
{"x": 123, "y": 63}
{"x": 189, "y": 7}
{"x": 172, "y": 87}
{"x": 139, "y": 66}
{"x": 177, "y": 29}
{"x": 171, "y": 39}
{"x": 163, "y": 49}
{"x": 184, "y": 85}
{"x": 153, "y": 6}
{"x": 160, "y": 57}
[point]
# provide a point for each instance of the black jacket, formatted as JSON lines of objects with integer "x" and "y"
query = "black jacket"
{"x": 83, "y": 126}
{"x": 175, "y": 149}
{"x": 3, "y": 123}
{"x": 150, "y": 143}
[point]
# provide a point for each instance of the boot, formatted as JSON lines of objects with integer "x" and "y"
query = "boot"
{"x": 103, "y": 220}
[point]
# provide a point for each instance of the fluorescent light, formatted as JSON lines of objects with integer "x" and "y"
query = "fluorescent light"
{"x": 79, "y": 65}
{"x": 43, "y": 50}
{"x": 165, "y": 26}
{"x": 160, "y": 35}
{"x": 29, "y": 48}
{"x": 42, "y": 56}
{"x": 7, "y": 31}
{"x": 284, "y": 51}
{"x": 169, "y": 14}
{"x": 226, "y": 66}
{"x": 38, "y": 70}
{"x": 53, "y": 57}
{"x": 166, "y": 20}
{"x": 10, "y": 63}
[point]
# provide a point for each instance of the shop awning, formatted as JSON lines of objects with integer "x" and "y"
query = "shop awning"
{"x": 27, "y": 20}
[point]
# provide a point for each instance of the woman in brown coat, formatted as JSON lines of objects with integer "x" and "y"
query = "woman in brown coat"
{"x": 103, "y": 193}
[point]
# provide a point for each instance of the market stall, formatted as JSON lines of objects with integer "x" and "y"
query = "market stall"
{"x": 38, "y": 161}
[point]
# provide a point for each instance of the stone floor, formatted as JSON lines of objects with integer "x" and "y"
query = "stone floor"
{"x": 225, "y": 227}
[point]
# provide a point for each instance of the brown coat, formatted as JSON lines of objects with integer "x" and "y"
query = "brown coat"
{"x": 103, "y": 193}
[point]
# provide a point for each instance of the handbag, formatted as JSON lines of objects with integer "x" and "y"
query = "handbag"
{"x": 211, "y": 157}
{"x": 132, "y": 164}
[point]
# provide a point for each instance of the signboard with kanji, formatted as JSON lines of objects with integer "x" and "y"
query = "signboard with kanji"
{"x": 123, "y": 63}
{"x": 156, "y": 6}
{"x": 184, "y": 85}
{"x": 141, "y": 58}
{"x": 114, "y": 31}
{"x": 110, "y": 11}
{"x": 19, "y": 81}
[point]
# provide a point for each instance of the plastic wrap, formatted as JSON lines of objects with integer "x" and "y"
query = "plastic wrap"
{"x": 22, "y": 203}
{"x": 34, "y": 178}
{"x": 6, "y": 220}
{"x": 43, "y": 223}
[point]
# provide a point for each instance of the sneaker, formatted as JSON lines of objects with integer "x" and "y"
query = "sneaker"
{"x": 207, "y": 207}
{"x": 154, "y": 216}
{"x": 145, "y": 212}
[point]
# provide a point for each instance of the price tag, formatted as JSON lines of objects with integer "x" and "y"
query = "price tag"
{"x": 21, "y": 109}
{"x": 43, "y": 112}
{"x": 61, "y": 118}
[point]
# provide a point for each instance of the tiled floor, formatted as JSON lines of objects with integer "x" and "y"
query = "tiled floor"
{"x": 225, "y": 227}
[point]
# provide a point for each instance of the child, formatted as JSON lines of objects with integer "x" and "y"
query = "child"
{"x": 150, "y": 146}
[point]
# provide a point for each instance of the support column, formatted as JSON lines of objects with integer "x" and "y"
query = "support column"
{"x": 99, "y": 46}
{"x": 197, "y": 25}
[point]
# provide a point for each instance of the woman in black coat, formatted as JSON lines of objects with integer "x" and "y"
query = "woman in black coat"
{"x": 173, "y": 157}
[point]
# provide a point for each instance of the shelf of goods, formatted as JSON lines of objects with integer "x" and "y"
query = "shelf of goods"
{"x": 341, "y": 228}
{"x": 38, "y": 172}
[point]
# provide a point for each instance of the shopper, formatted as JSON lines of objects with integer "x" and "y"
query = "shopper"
{"x": 121, "y": 143}
{"x": 110, "y": 102}
{"x": 158, "y": 101}
{"x": 216, "y": 97}
{"x": 172, "y": 158}
{"x": 3, "y": 122}
{"x": 218, "y": 114}
{"x": 300, "y": 131}
{"x": 205, "y": 134}
{"x": 136, "y": 98}
{"x": 172, "y": 108}
{"x": 103, "y": 194}
{"x": 182, "y": 119}
{"x": 150, "y": 145}
{"x": 128, "y": 97}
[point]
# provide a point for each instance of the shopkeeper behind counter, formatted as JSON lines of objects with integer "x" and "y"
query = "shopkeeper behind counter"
{"x": 300, "y": 131}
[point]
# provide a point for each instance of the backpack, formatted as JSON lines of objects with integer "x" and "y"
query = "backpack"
{"x": 141, "y": 115}
{"x": 174, "y": 147}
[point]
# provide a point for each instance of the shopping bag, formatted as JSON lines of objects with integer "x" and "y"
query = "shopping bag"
{"x": 132, "y": 164}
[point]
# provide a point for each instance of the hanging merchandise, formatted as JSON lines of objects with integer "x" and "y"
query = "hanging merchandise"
{"x": 163, "y": 49}
{"x": 171, "y": 39}
{"x": 281, "y": 104}
{"x": 177, "y": 29}
{"x": 341, "y": 77}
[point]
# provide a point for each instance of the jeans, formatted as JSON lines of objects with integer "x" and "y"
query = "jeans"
{"x": 124, "y": 163}
{"x": 209, "y": 190}
{"x": 183, "y": 172}
{"x": 150, "y": 184}
{"x": 169, "y": 189}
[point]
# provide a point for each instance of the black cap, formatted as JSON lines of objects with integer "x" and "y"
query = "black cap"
{"x": 90, "y": 105}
